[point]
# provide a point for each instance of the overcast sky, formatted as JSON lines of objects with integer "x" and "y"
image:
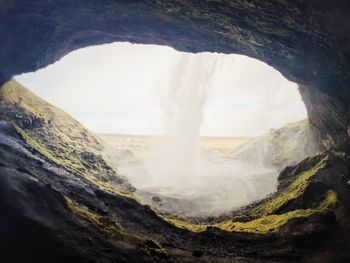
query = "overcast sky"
{"x": 115, "y": 88}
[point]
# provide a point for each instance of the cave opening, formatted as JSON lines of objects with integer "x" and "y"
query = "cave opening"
{"x": 62, "y": 202}
{"x": 197, "y": 135}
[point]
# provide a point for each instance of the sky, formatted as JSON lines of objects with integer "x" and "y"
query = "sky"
{"x": 117, "y": 88}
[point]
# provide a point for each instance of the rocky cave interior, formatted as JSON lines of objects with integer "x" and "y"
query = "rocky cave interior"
{"x": 226, "y": 157}
{"x": 55, "y": 210}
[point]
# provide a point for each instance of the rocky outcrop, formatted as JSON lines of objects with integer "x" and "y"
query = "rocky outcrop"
{"x": 308, "y": 41}
{"x": 65, "y": 198}
{"x": 57, "y": 136}
{"x": 41, "y": 223}
{"x": 51, "y": 214}
{"x": 49, "y": 204}
{"x": 281, "y": 147}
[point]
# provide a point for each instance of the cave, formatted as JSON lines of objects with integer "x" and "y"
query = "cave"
{"x": 56, "y": 210}
{"x": 206, "y": 134}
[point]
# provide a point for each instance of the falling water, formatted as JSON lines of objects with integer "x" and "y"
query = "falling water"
{"x": 183, "y": 103}
{"x": 188, "y": 180}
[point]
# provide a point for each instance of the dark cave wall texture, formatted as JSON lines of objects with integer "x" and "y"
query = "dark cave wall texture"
{"x": 306, "y": 40}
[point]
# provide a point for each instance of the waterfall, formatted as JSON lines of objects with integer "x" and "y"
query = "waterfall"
{"x": 183, "y": 102}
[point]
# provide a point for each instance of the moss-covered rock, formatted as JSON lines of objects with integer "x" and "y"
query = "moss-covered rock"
{"x": 281, "y": 147}
{"x": 98, "y": 223}
{"x": 59, "y": 138}
{"x": 301, "y": 194}
{"x": 293, "y": 189}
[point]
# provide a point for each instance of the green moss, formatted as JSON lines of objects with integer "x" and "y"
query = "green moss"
{"x": 263, "y": 219}
{"x": 329, "y": 202}
{"x": 292, "y": 191}
{"x": 34, "y": 144}
{"x": 265, "y": 224}
{"x": 68, "y": 165}
{"x": 153, "y": 248}
{"x": 60, "y": 139}
{"x": 110, "y": 227}
{"x": 186, "y": 225}
{"x": 82, "y": 212}
{"x": 272, "y": 223}
{"x": 64, "y": 140}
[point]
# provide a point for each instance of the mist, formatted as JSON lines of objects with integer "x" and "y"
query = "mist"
{"x": 176, "y": 175}
{"x": 183, "y": 102}
{"x": 171, "y": 120}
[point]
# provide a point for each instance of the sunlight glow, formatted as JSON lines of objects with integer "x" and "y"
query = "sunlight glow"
{"x": 116, "y": 88}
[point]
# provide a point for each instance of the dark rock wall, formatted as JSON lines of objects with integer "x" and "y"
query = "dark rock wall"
{"x": 306, "y": 40}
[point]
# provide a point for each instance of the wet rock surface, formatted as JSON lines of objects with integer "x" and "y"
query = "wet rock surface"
{"x": 307, "y": 41}
{"x": 36, "y": 224}
{"x": 33, "y": 191}
{"x": 56, "y": 135}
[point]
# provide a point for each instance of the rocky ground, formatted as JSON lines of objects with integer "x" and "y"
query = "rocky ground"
{"x": 59, "y": 210}
{"x": 39, "y": 222}
{"x": 279, "y": 148}
{"x": 54, "y": 213}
